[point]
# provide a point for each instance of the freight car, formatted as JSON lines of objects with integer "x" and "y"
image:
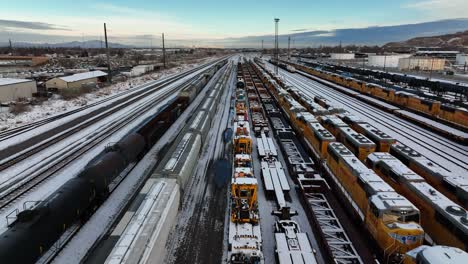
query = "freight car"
{"x": 443, "y": 220}
{"x": 392, "y": 220}
{"x": 37, "y": 228}
{"x": 292, "y": 246}
{"x": 244, "y": 235}
{"x": 453, "y": 186}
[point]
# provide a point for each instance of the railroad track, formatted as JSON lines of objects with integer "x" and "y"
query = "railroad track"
{"x": 38, "y": 173}
{"x": 19, "y": 156}
{"x": 380, "y": 117}
{"x": 4, "y": 135}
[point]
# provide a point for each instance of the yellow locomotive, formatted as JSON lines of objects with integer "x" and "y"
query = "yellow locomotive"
{"x": 454, "y": 187}
{"x": 436, "y": 255}
{"x": 380, "y": 138}
{"x": 443, "y": 220}
{"x": 391, "y": 219}
{"x": 358, "y": 143}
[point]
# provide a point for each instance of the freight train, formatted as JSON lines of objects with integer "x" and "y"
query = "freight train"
{"x": 36, "y": 229}
{"x": 390, "y": 218}
{"x": 430, "y": 107}
{"x": 443, "y": 220}
{"x": 244, "y": 235}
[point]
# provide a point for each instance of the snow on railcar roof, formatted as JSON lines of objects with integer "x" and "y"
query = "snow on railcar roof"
{"x": 307, "y": 117}
{"x": 355, "y": 137}
{"x": 373, "y": 183}
{"x": 322, "y": 132}
{"x": 348, "y": 158}
{"x": 244, "y": 180}
{"x": 374, "y": 132}
{"x": 452, "y": 211}
{"x": 440, "y": 254}
{"x": 395, "y": 165}
{"x": 391, "y": 200}
{"x": 334, "y": 120}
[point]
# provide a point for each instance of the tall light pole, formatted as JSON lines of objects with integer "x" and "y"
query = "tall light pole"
{"x": 289, "y": 48}
{"x": 109, "y": 74}
{"x": 276, "y": 45}
{"x": 164, "y": 51}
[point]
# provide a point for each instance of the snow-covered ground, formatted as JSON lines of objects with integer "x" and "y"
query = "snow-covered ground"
{"x": 57, "y": 104}
{"x": 72, "y": 169}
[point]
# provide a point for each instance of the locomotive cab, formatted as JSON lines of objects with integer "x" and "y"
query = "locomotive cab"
{"x": 396, "y": 223}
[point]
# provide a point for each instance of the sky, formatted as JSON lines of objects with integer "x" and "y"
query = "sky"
{"x": 142, "y": 21}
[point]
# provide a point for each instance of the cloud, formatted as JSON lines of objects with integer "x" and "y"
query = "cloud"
{"x": 440, "y": 8}
{"x": 299, "y": 30}
{"x": 15, "y": 24}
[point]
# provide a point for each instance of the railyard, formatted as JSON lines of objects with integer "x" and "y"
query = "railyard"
{"x": 243, "y": 159}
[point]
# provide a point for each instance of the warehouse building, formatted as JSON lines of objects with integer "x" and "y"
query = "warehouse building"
{"x": 421, "y": 64}
{"x": 342, "y": 56}
{"x": 386, "y": 61}
{"x": 15, "y": 89}
{"x": 77, "y": 81}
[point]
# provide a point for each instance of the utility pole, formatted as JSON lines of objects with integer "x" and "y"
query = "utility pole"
{"x": 276, "y": 45}
{"x": 109, "y": 74}
{"x": 11, "y": 46}
{"x": 289, "y": 48}
{"x": 262, "y": 46}
{"x": 164, "y": 51}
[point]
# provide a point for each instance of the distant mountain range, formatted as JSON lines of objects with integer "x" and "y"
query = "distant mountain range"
{"x": 91, "y": 44}
{"x": 358, "y": 36}
{"x": 456, "y": 40}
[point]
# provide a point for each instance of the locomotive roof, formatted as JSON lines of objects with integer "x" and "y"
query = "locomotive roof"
{"x": 450, "y": 210}
{"x": 334, "y": 120}
{"x": 456, "y": 181}
{"x": 374, "y": 184}
{"x": 394, "y": 164}
{"x": 351, "y": 161}
{"x": 374, "y": 132}
{"x": 306, "y": 116}
{"x": 440, "y": 254}
{"x": 391, "y": 201}
{"x": 355, "y": 137}
{"x": 322, "y": 132}
{"x": 350, "y": 118}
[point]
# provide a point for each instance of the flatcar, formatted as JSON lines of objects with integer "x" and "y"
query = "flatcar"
{"x": 292, "y": 245}
{"x": 443, "y": 220}
{"x": 455, "y": 187}
{"x": 391, "y": 219}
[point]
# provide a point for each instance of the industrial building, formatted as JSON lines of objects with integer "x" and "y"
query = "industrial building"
{"x": 421, "y": 64}
{"x": 14, "y": 89}
{"x": 342, "y": 56}
{"x": 76, "y": 81}
{"x": 386, "y": 61}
